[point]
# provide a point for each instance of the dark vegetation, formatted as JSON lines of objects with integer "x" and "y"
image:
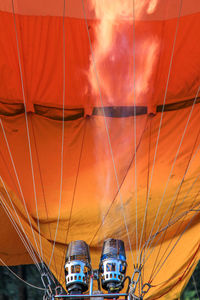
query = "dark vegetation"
{"x": 12, "y": 289}
{"x": 192, "y": 290}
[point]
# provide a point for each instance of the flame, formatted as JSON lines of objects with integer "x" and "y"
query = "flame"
{"x": 115, "y": 47}
{"x": 123, "y": 8}
{"x": 149, "y": 51}
{"x": 152, "y": 6}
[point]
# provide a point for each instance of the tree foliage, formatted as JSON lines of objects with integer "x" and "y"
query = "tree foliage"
{"x": 12, "y": 289}
{"x": 192, "y": 290}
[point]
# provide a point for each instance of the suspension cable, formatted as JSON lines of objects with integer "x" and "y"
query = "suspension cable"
{"x": 176, "y": 195}
{"x": 7, "y": 210}
{"x": 135, "y": 131}
{"x": 19, "y": 278}
{"x": 173, "y": 164}
{"x": 191, "y": 209}
{"x": 74, "y": 192}
{"x": 144, "y": 260}
{"x": 19, "y": 184}
{"x": 28, "y": 247}
{"x": 43, "y": 191}
{"x": 162, "y": 113}
{"x": 27, "y": 127}
{"x": 187, "y": 226}
{"x": 63, "y": 134}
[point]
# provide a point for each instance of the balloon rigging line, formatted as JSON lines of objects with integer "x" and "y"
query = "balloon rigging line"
{"x": 37, "y": 155}
{"x": 194, "y": 181}
{"x": 107, "y": 131}
{"x": 195, "y": 286}
{"x": 9, "y": 172}
{"x": 183, "y": 215}
{"x": 22, "y": 280}
{"x": 161, "y": 231}
{"x": 8, "y": 195}
{"x": 188, "y": 266}
{"x": 162, "y": 113}
{"x": 19, "y": 184}
{"x": 27, "y": 243}
{"x": 143, "y": 261}
{"x": 173, "y": 222}
{"x": 135, "y": 131}
{"x": 27, "y": 128}
{"x": 189, "y": 190}
{"x": 190, "y": 209}
{"x": 175, "y": 197}
{"x": 181, "y": 203}
{"x": 163, "y": 255}
{"x": 172, "y": 168}
{"x": 187, "y": 226}
{"x": 192, "y": 156}
{"x": 148, "y": 170}
{"x": 123, "y": 179}
{"x": 63, "y": 135}
{"x": 14, "y": 223}
{"x": 32, "y": 255}
{"x": 74, "y": 192}
{"x": 177, "y": 194}
{"x": 149, "y": 154}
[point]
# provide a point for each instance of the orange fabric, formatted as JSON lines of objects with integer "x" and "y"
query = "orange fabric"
{"x": 91, "y": 206}
{"x": 43, "y": 73}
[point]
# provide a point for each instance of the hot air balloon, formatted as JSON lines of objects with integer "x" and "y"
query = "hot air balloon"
{"x": 99, "y": 137}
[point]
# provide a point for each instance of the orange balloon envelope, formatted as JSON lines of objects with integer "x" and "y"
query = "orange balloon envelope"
{"x": 100, "y": 134}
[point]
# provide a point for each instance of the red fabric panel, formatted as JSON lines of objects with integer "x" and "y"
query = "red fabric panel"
{"x": 41, "y": 51}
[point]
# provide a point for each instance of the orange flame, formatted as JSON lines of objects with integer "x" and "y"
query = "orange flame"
{"x": 114, "y": 51}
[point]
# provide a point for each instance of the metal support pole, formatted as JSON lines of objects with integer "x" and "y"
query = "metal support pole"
{"x": 91, "y": 284}
{"x": 85, "y": 296}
